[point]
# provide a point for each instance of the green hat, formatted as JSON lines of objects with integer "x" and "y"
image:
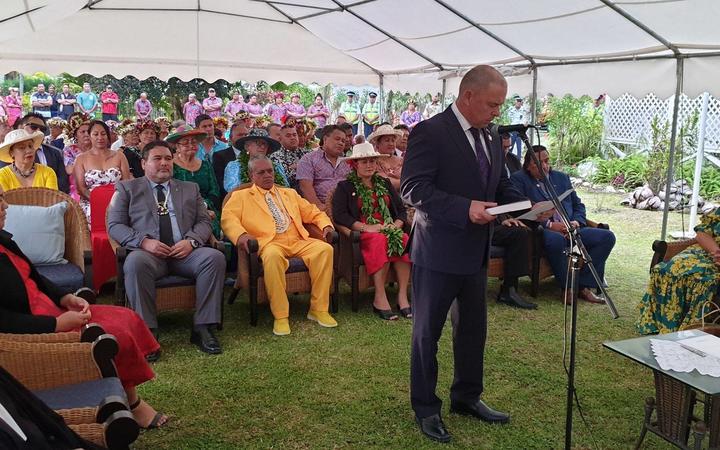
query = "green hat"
{"x": 185, "y": 131}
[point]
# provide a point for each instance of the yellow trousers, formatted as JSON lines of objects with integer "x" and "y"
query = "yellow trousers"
{"x": 317, "y": 256}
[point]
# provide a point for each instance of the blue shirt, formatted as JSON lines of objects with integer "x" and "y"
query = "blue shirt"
{"x": 177, "y": 237}
{"x": 202, "y": 152}
{"x": 87, "y": 99}
{"x": 231, "y": 179}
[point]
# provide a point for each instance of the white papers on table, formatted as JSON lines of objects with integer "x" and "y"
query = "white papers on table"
{"x": 510, "y": 207}
{"x": 671, "y": 355}
{"x": 707, "y": 345}
{"x": 542, "y": 207}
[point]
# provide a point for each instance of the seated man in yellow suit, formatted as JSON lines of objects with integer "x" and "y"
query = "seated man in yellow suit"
{"x": 274, "y": 216}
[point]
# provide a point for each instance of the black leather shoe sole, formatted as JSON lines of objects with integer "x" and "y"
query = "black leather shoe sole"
{"x": 514, "y": 304}
{"x": 152, "y": 357}
{"x": 465, "y": 411}
{"x": 444, "y": 439}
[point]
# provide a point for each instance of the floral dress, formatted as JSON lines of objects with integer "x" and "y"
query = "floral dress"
{"x": 679, "y": 287}
{"x": 204, "y": 177}
{"x": 95, "y": 178}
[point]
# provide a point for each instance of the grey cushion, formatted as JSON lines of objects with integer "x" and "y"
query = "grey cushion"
{"x": 174, "y": 280}
{"x": 39, "y": 231}
{"x": 88, "y": 394}
{"x": 67, "y": 276}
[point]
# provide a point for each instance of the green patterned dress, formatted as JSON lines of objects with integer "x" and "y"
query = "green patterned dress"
{"x": 679, "y": 287}
{"x": 204, "y": 177}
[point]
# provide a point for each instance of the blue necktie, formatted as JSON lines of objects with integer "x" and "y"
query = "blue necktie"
{"x": 483, "y": 163}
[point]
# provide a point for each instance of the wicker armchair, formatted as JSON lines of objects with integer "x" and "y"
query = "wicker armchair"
{"x": 250, "y": 271}
{"x": 77, "y": 235}
{"x": 62, "y": 361}
{"x": 173, "y": 292}
{"x": 539, "y": 265}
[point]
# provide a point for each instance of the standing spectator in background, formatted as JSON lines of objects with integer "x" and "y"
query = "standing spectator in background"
{"x": 13, "y": 106}
{"x": 234, "y": 106}
{"x": 411, "y": 117}
{"x": 432, "y": 108}
{"x": 318, "y": 112}
{"x": 351, "y": 111}
{"x": 253, "y": 108}
{"x": 110, "y": 101}
{"x": 143, "y": 108}
{"x": 53, "y": 96}
{"x": 4, "y": 127}
{"x": 401, "y": 143}
{"x": 295, "y": 108}
{"x": 278, "y": 109}
{"x": 191, "y": 109}
{"x": 87, "y": 101}
{"x": 370, "y": 114}
{"x": 212, "y": 104}
{"x": 518, "y": 116}
{"x": 66, "y": 102}
{"x": 41, "y": 101}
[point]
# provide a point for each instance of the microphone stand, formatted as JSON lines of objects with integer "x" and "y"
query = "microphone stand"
{"x": 577, "y": 256}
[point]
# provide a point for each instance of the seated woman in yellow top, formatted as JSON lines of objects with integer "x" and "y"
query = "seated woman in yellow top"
{"x": 18, "y": 151}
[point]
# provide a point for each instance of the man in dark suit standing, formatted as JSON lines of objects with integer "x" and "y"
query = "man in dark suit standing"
{"x": 453, "y": 171}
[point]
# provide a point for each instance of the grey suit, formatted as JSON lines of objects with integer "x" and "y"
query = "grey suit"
{"x": 132, "y": 217}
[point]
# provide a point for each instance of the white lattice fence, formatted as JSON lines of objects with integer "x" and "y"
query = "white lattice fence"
{"x": 627, "y": 119}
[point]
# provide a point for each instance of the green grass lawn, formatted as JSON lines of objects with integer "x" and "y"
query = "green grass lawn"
{"x": 349, "y": 387}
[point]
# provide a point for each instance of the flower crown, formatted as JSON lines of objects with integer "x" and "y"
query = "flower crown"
{"x": 74, "y": 122}
{"x": 146, "y": 125}
{"x": 263, "y": 121}
{"x": 57, "y": 122}
{"x": 220, "y": 121}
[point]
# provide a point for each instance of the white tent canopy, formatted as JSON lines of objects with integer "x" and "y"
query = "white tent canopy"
{"x": 412, "y": 44}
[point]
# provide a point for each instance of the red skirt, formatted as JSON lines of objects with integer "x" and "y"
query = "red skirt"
{"x": 373, "y": 247}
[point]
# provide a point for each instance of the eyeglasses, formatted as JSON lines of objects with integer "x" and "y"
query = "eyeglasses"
{"x": 35, "y": 127}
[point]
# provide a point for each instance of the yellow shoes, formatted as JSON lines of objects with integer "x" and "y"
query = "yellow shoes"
{"x": 281, "y": 327}
{"x": 323, "y": 318}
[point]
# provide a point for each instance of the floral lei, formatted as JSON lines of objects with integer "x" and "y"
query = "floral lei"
{"x": 243, "y": 159}
{"x": 394, "y": 235}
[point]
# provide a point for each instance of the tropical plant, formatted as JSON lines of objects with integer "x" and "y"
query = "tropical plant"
{"x": 575, "y": 128}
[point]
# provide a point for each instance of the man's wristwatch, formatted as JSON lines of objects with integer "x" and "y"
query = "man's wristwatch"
{"x": 194, "y": 243}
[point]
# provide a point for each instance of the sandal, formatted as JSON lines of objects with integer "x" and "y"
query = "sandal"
{"x": 385, "y": 314}
{"x": 406, "y": 312}
{"x": 155, "y": 422}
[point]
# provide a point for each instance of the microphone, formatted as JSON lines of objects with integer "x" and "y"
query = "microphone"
{"x": 519, "y": 128}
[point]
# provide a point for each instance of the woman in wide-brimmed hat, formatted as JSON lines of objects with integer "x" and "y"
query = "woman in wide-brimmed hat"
{"x": 384, "y": 140}
{"x": 188, "y": 167}
{"x": 19, "y": 149}
{"x": 257, "y": 142}
{"x": 368, "y": 203}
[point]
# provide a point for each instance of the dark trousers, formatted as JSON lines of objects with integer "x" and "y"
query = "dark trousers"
{"x": 599, "y": 244}
{"x": 434, "y": 294}
{"x": 355, "y": 131}
{"x": 367, "y": 129}
{"x": 107, "y": 117}
{"x": 516, "y": 144}
{"x": 515, "y": 242}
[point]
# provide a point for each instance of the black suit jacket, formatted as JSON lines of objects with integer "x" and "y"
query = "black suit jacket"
{"x": 440, "y": 177}
{"x": 15, "y": 315}
{"x": 345, "y": 208}
{"x": 56, "y": 162}
{"x": 220, "y": 159}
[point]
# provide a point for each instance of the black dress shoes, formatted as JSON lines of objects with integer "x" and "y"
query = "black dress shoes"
{"x": 434, "y": 428}
{"x": 203, "y": 337}
{"x": 512, "y": 298}
{"x": 480, "y": 411}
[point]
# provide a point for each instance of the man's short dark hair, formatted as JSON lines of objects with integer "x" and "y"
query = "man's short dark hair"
{"x": 202, "y": 117}
{"x": 528, "y": 159}
{"x": 344, "y": 127}
{"x": 102, "y": 124}
{"x": 401, "y": 126}
{"x": 327, "y": 129}
{"x": 270, "y": 126}
{"x": 30, "y": 115}
{"x": 152, "y": 145}
{"x": 236, "y": 124}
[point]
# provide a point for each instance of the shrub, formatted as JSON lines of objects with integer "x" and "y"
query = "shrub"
{"x": 575, "y": 129}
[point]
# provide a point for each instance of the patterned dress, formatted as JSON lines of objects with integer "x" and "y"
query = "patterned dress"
{"x": 288, "y": 160}
{"x": 204, "y": 177}
{"x": 95, "y": 178}
{"x": 679, "y": 287}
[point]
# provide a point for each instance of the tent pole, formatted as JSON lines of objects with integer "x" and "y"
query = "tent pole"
{"x": 673, "y": 136}
{"x": 444, "y": 92}
{"x": 21, "y": 83}
{"x": 381, "y": 94}
{"x": 533, "y": 102}
{"x": 699, "y": 158}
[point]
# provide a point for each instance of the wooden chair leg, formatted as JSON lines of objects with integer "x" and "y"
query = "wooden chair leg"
{"x": 233, "y": 295}
{"x": 253, "y": 304}
{"x": 355, "y": 288}
{"x": 649, "y": 408}
{"x": 334, "y": 296}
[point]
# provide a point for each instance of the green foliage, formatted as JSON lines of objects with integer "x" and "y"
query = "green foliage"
{"x": 709, "y": 179}
{"x": 627, "y": 173}
{"x": 575, "y": 128}
{"x": 659, "y": 149}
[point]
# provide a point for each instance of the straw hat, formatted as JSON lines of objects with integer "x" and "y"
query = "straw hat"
{"x": 384, "y": 130}
{"x": 17, "y": 136}
{"x": 362, "y": 151}
{"x": 185, "y": 131}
